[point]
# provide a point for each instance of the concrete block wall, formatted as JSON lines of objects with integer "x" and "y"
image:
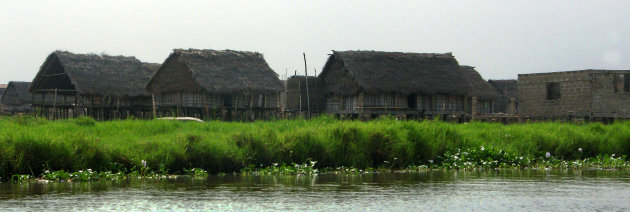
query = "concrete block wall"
{"x": 575, "y": 94}
{"x": 608, "y": 101}
{"x": 586, "y": 93}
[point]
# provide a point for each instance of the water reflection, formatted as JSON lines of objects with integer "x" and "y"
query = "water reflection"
{"x": 434, "y": 190}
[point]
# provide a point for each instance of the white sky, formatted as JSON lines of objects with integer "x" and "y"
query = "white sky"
{"x": 501, "y": 38}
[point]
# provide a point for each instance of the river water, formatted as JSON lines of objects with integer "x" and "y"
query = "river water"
{"x": 504, "y": 190}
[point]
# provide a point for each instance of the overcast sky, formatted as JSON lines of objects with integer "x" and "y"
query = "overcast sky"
{"x": 501, "y": 38}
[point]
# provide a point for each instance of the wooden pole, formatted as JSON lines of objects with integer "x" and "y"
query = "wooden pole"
{"x": 153, "y": 105}
{"x": 205, "y": 104}
{"x": 308, "y": 101}
{"x": 65, "y": 114}
{"x": 92, "y": 107}
{"x": 43, "y": 103}
{"x": 251, "y": 106}
{"x": 55, "y": 105}
{"x": 75, "y": 113}
{"x": 33, "y": 106}
{"x": 316, "y": 90}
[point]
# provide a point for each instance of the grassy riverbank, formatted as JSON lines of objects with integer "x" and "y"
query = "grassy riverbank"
{"x": 32, "y": 146}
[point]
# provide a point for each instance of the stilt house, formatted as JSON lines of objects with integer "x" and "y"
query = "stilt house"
{"x": 482, "y": 95}
{"x": 211, "y": 84}
{"x": 16, "y": 99}
{"x": 104, "y": 87}
{"x": 367, "y": 84}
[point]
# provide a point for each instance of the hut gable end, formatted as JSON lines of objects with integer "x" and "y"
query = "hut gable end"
{"x": 337, "y": 79}
{"x": 91, "y": 74}
{"x": 16, "y": 94}
{"x": 173, "y": 76}
{"x": 52, "y": 75}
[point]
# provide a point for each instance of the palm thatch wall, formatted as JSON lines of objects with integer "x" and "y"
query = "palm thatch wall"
{"x": 412, "y": 84}
{"x": 297, "y": 94}
{"x": 484, "y": 92}
{"x": 101, "y": 86}
{"x": 508, "y": 100}
{"x": 216, "y": 84}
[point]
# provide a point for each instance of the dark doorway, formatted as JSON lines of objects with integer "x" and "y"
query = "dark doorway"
{"x": 227, "y": 100}
{"x": 412, "y": 101}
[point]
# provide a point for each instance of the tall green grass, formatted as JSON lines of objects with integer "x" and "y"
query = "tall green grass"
{"x": 30, "y": 146}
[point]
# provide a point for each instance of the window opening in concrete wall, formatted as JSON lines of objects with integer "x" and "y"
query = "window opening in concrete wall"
{"x": 553, "y": 91}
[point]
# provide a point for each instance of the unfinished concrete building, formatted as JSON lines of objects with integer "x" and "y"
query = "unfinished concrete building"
{"x": 588, "y": 94}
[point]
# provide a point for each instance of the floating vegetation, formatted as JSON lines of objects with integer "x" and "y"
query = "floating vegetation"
{"x": 294, "y": 169}
{"x": 197, "y": 172}
{"x": 155, "y": 148}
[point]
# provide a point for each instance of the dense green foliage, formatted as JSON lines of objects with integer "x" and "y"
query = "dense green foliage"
{"x": 32, "y": 146}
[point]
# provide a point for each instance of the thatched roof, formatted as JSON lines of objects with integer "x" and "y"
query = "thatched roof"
{"x": 91, "y": 74}
{"x": 16, "y": 94}
{"x": 382, "y": 72}
{"x": 507, "y": 88}
{"x": 214, "y": 71}
{"x": 479, "y": 87}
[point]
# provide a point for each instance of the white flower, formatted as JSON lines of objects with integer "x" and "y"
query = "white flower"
{"x": 313, "y": 163}
{"x": 482, "y": 148}
{"x": 580, "y": 149}
{"x": 144, "y": 163}
{"x": 275, "y": 164}
{"x": 548, "y": 155}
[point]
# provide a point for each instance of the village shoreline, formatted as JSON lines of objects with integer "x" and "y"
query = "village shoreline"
{"x": 32, "y": 147}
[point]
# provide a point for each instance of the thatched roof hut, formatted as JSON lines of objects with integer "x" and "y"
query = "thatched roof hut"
{"x": 350, "y": 72}
{"x": 217, "y": 72}
{"x": 479, "y": 87}
{"x": 508, "y": 91}
{"x": 16, "y": 94}
{"x": 92, "y": 74}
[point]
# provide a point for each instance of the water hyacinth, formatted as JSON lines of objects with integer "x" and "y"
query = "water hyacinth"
{"x": 228, "y": 147}
{"x": 548, "y": 155}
